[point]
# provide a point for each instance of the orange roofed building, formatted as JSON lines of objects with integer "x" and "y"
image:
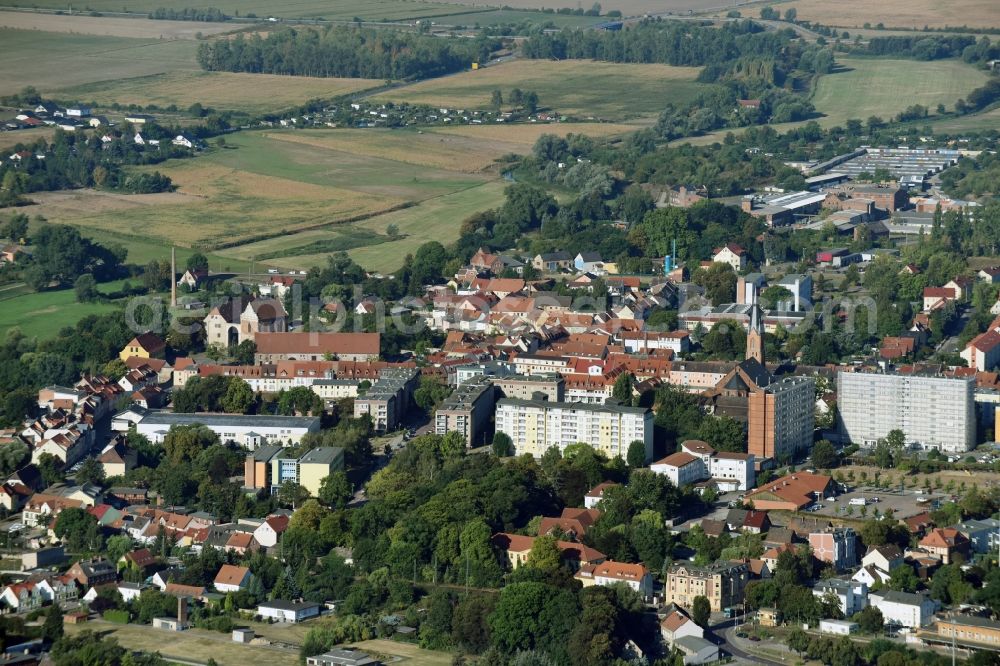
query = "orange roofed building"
{"x": 636, "y": 576}
{"x": 791, "y": 492}
{"x": 518, "y": 547}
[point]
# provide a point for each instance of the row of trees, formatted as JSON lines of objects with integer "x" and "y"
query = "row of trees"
{"x": 344, "y": 52}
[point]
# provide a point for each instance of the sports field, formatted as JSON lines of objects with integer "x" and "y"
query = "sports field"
{"x": 50, "y": 61}
{"x": 372, "y": 10}
{"x": 895, "y": 13}
{"x": 883, "y": 88}
{"x": 576, "y": 87}
{"x": 254, "y": 93}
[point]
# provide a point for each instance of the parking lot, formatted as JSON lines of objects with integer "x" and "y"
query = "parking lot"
{"x": 902, "y": 504}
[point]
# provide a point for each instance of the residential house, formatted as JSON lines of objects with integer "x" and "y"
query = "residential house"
{"x": 983, "y": 351}
{"x": 290, "y": 612}
{"x": 553, "y": 262}
{"x": 886, "y": 557}
{"x": 721, "y": 583}
{"x": 518, "y": 547}
{"x": 95, "y": 571}
{"x": 947, "y": 543}
{"x": 731, "y": 254}
{"x": 192, "y": 278}
{"x": 835, "y": 546}
{"x": 269, "y": 531}
{"x": 589, "y": 262}
{"x": 851, "y": 595}
{"x": 596, "y": 494}
{"x": 572, "y": 524}
{"x": 144, "y": 345}
{"x": 903, "y": 609}
{"x": 635, "y": 576}
{"x": 936, "y": 297}
{"x": 232, "y": 578}
{"x": 697, "y": 650}
{"x": 678, "y": 625}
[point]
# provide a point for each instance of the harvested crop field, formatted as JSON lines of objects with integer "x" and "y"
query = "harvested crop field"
{"x": 628, "y": 7}
{"x": 897, "y": 13}
{"x": 583, "y": 88}
{"x": 110, "y": 26}
{"x": 371, "y": 10}
{"x": 27, "y": 137}
{"x": 255, "y": 93}
{"x": 52, "y": 61}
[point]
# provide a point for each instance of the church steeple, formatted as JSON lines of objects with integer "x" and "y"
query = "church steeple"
{"x": 755, "y": 334}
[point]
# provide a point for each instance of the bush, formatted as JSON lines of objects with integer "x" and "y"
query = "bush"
{"x": 116, "y": 616}
{"x": 222, "y": 623}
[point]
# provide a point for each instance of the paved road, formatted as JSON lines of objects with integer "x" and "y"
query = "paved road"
{"x": 725, "y": 631}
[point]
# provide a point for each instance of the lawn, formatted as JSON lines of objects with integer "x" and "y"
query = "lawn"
{"x": 575, "y": 87}
{"x": 372, "y": 10}
{"x": 51, "y": 61}
{"x": 896, "y": 13}
{"x": 883, "y": 87}
{"x": 42, "y": 314}
{"x": 254, "y": 93}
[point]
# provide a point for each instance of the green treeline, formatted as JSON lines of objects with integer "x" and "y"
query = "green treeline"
{"x": 208, "y": 14}
{"x": 344, "y": 51}
{"x": 729, "y": 50}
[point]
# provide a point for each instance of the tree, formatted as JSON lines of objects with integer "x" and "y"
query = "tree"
{"x": 117, "y": 546}
{"x": 502, "y": 445}
{"x": 825, "y": 456}
{"x": 701, "y": 611}
{"x": 239, "y": 398}
{"x": 244, "y": 352}
{"x": 292, "y": 494}
{"x": 52, "y": 628}
{"x": 91, "y": 471}
{"x": 869, "y": 620}
{"x": 336, "y": 490}
{"x": 622, "y": 390}
{"x": 496, "y": 99}
{"x": 903, "y": 579}
{"x": 636, "y": 454}
{"x": 197, "y": 262}
{"x": 545, "y": 555}
{"x": 78, "y": 529}
{"x": 798, "y": 640}
{"x": 183, "y": 443}
{"x": 775, "y": 295}
{"x": 85, "y": 288}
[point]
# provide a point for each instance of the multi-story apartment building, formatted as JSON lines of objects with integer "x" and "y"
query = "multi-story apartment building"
{"x": 780, "y": 419}
{"x": 527, "y": 387}
{"x": 534, "y": 426}
{"x": 467, "y": 411}
{"x": 838, "y": 546}
{"x": 388, "y": 399}
{"x": 721, "y": 583}
{"x": 932, "y": 411}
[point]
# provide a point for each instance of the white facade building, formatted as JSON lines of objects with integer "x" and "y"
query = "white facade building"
{"x": 933, "y": 412}
{"x": 904, "y": 609}
{"x": 697, "y": 461}
{"x": 249, "y": 430}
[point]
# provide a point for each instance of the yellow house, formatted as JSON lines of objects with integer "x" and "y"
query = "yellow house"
{"x": 144, "y": 345}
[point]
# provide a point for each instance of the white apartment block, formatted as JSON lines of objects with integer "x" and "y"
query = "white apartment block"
{"x": 535, "y": 426}
{"x": 933, "y": 412}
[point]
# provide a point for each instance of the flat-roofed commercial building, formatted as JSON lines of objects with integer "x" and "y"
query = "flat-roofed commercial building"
{"x": 388, "y": 399}
{"x": 248, "y": 430}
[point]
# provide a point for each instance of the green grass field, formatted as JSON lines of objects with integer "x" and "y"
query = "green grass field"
{"x": 42, "y": 314}
{"x": 51, "y": 61}
{"x": 577, "y": 87}
{"x": 505, "y": 16}
{"x": 881, "y": 87}
{"x": 371, "y": 10}
{"x": 219, "y": 90}
{"x": 977, "y": 122}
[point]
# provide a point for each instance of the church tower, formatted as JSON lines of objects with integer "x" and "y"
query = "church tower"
{"x": 755, "y": 335}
